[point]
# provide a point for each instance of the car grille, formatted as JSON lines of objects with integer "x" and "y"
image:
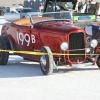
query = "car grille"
{"x": 76, "y": 42}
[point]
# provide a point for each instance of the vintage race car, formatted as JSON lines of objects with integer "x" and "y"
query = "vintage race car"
{"x": 93, "y": 32}
{"x": 52, "y": 33}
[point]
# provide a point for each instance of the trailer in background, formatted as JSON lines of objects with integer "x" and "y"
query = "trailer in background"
{"x": 34, "y": 4}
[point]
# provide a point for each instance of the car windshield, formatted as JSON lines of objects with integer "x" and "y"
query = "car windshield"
{"x": 48, "y": 16}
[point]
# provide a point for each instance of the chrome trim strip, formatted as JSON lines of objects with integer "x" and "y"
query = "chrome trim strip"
{"x": 53, "y": 20}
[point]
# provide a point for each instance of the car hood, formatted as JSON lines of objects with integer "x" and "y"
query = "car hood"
{"x": 59, "y": 26}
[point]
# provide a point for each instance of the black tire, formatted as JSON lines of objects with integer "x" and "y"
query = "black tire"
{"x": 3, "y": 55}
{"x": 46, "y": 61}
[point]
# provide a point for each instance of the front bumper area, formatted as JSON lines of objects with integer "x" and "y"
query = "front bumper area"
{"x": 87, "y": 62}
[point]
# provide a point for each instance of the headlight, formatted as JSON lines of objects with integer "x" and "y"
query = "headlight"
{"x": 64, "y": 46}
{"x": 94, "y": 43}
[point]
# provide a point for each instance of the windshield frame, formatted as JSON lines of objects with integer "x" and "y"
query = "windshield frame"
{"x": 39, "y": 14}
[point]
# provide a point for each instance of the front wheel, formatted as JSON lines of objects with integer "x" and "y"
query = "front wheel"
{"x": 46, "y": 61}
{"x": 98, "y": 61}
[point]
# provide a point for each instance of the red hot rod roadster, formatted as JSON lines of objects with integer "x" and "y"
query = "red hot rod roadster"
{"x": 51, "y": 32}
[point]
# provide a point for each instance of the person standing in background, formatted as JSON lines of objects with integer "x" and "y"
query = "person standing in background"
{"x": 90, "y": 2}
{"x": 41, "y": 7}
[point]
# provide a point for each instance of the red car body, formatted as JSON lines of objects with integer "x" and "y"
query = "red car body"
{"x": 22, "y": 36}
{"x": 50, "y": 34}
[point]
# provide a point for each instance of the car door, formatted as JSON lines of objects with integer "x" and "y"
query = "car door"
{"x": 27, "y": 39}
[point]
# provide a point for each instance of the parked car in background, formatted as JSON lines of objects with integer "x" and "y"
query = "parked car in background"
{"x": 93, "y": 32}
{"x": 3, "y": 10}
{"x": 8, "y": 9}
{"x": 20, "y": 13}
{"x": 14, "y": 7}
{"x": 52, "y": 33}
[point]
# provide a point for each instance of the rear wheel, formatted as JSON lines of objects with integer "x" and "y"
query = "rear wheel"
{"x": 3, "y": 55}
{"x": 46, "y": 61}
{"x": 98, "y": 61}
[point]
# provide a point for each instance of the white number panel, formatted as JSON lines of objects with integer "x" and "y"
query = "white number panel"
{"x": 21, "y": 38}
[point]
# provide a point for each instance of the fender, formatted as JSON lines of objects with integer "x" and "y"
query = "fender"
{"x": 10, "y": 46}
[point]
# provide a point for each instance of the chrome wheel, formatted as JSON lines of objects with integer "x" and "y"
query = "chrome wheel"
{"x": 43, "y": 62}
{"x": 46, "y": 61}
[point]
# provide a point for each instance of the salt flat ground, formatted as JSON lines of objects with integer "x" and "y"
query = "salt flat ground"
{"x": 23, "y": 80}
